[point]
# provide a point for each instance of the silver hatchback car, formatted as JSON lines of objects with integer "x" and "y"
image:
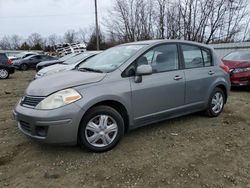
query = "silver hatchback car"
{"x": 125, "y": 87}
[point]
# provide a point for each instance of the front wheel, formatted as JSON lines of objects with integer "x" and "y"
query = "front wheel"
{"x": 101, "y": 129}
{"x": 4, "y": 73}
{"x": 216, "y": 103}
{"x": 24, "y": 67}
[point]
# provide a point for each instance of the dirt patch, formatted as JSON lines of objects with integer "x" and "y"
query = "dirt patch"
{"x": 190, "y": 151}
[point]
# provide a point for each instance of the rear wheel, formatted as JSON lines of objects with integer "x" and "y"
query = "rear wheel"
{"x": 24, "y": 67}
{"x": 101, "y": 129}
{"x": 216, "y": 103}
{"x": 4, "y": 73}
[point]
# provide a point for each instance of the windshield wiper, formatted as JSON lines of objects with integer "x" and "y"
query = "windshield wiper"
{"x": 90, "y": 69}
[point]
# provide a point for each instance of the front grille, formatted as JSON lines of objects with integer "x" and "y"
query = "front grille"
{"x": 25, "y": 126}
{"x": 31, "y": 101}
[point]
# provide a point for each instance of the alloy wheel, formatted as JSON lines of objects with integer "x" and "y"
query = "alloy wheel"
{"x": 217, "y": 102}
{"x": 101, "y": 131}
{"x": 3, "y": 73}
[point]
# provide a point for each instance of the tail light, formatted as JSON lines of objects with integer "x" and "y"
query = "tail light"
{"x": 224, "y": 67}
{"x": 9, "y": 62}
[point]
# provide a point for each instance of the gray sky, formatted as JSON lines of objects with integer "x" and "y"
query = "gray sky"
{"x": 46, "y": 17}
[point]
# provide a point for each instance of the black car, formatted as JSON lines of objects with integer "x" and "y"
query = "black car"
{"x": 6, "y": 67}
{"x": 43, "y": 64}
{"x": 31, "y": 61}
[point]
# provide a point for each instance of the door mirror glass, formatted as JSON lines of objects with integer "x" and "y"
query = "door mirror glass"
{"x": 144, "y": 70}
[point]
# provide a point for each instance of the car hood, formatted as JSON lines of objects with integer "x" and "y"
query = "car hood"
{"x": 50, "y": 84}
{"x": 236, "y": 64}
{"x": 49, "y": 62}
{"x": 54, "y": 69}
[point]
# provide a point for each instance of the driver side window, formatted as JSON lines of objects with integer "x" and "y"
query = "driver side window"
{"x": 162, "y": 58}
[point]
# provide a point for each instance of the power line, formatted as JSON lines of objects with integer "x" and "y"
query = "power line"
{"x": 48, "y": 15}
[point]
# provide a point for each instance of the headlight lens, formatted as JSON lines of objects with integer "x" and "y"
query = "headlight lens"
{"x": 59, "y": 99}
{"x": 239, "y": 70}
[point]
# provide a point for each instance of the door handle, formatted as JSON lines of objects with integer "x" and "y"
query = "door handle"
{"x": 211, "y": 72}
{"x": 177, "y": 77}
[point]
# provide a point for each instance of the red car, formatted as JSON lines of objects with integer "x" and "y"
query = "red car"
{"x": 239, "y": 66}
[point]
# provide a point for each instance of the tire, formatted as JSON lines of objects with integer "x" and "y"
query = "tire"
{"x": 106, "y": 124}
{"x": 4, "y": 73}
{"x": 24, "y": 67}
{"x": 216, "y": 103}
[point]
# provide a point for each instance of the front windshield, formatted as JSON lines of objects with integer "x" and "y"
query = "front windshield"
{"x": 66, "y": 57}
{"x": 112, "y": 58}
{"x": 238, "y": 56}
{"x": 76, "y": 59}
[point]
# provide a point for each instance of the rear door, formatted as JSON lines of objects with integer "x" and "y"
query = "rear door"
{"x": 199, "y": 72}
{"x": 161, "y": 91}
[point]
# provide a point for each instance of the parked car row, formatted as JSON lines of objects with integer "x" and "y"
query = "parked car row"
{"x": 31, "y": 61}
{"x": 72, "y": 63}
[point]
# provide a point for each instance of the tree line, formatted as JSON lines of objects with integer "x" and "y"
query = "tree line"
{"x": 205, "y": 21}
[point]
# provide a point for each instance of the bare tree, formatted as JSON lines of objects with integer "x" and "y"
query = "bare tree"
{"x": 5, "y": 43}
{"x": 35, "y": 39}
{"x": 52, "y": 40}
{"x": 16, "y": 41}
{"x": 131, "y": 20}
{"x": 70, "y": 36}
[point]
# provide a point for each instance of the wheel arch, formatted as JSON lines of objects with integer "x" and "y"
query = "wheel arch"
{"x": 117, "y": 105}
{"x": 224, "y": 89}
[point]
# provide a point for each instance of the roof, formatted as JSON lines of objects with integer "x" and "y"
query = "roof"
{"x": 154, "y": 42}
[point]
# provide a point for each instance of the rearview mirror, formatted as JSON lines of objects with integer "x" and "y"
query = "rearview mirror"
{"x": 142, "y": 70}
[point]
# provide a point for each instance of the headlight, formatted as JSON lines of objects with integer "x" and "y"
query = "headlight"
{"x": 239, "y": 70}
{"x": 59, "y": 99}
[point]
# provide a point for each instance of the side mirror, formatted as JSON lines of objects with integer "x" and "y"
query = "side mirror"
{"x": 142, "y": 70}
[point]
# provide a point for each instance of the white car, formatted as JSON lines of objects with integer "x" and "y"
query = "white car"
{"x": 67, "y": 65}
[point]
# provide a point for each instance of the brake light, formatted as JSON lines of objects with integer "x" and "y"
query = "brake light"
{"x": 9, "y": 62}
{"x": 224, "y": 67}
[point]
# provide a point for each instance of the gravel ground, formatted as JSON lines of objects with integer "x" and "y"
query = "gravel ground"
{"x": 191, "y": 151}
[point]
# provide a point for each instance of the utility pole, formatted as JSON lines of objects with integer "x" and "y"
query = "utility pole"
{"x": 96, "y": 27}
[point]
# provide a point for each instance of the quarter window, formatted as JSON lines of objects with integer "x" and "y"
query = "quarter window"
{"x": 207, "y": 58}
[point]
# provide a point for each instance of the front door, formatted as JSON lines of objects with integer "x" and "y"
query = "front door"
{"x": 162, "y": 91}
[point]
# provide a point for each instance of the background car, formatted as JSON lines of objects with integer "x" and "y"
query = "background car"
{"x": 67, "y": 65}
{"x": 6, "y": 67}
{"x": 31, "y": 61}
{"x": 43, "y": 64}
{"x": 239, "y": 65}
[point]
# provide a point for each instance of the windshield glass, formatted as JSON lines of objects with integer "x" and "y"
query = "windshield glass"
{"x": 76, "y": 59}
{"x": 112, "y": 58}
{"x": 66, "y": 57}
{"x": 238, "y": 56}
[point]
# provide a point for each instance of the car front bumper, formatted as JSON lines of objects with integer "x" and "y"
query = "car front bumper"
{"x": 240, "y": 79}
{"x": 57, "y": 126}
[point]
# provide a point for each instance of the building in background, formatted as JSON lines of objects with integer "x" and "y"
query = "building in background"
{"x": 223, "y": 49}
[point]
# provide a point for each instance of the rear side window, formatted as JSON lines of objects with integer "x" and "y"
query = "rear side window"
{"x": 192, "y": 56}
{"x": 195, "y": 57}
